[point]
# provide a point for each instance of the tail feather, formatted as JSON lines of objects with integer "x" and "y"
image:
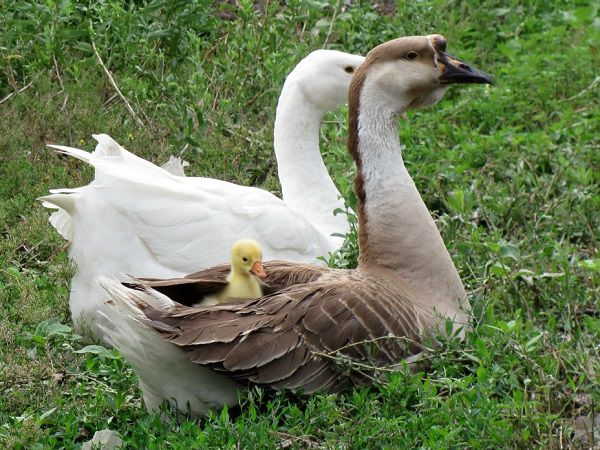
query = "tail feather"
{"x": 135, "y": 295}
{"x": 63, "y": 199}
{"x": 107, "y": 146}
{"x": 113, "y": 165}
{"x": 175, "y": 166}
{"x": 62, "y": 222}
{"x": 74, "y": 152}
{"x": 164, "y": 370}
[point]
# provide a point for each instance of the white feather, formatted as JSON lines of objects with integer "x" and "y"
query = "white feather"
{"x": 176, "y": 166}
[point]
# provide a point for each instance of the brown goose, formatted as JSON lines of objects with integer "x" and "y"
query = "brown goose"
{"x": 405, "y": 286}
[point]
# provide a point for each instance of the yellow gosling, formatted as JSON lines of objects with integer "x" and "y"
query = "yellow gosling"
{"x": 243, "y": 280}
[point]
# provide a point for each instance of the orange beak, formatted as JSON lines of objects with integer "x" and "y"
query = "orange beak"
{"x": 257, "y": 269}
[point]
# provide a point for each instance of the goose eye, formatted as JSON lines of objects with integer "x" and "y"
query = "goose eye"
{"x": 349, "y": 69}
{"x": 412, "y": 55}
{"x": 245, "y": 259}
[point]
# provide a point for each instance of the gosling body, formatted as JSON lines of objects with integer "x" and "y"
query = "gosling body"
{"x": 243, "y": 280}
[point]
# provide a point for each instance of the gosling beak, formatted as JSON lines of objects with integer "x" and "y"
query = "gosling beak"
{"x": 456, "y": 71}
{"x": 257, "y": 269}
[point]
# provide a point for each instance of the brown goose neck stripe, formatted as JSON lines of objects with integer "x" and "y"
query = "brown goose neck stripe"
{"x": 353, "y": 142}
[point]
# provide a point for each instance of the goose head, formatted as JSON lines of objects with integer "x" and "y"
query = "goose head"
{"x": 412, "y": 72}
{"x": 246, "y": 258}
{"x": 324, "y": 77}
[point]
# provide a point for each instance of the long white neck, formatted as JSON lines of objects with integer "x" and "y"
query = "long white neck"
{"x": 398, "y": 237}
{"x": 305, "y": 183}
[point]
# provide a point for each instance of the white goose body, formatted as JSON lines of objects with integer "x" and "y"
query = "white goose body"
{"x": 404, "y": 289}
{"x": 139, "y": 219}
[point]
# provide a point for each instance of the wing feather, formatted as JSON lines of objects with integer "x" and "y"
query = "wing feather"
{"x": 281, "y": 368}
{"x": 290, "y": 340}
{"x": 272, "y": 346}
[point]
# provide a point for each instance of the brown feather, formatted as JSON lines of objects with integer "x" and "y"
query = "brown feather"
{"x": 194, "y": 287}
{"x": 281, "y": 368}
{"x": 311, "y": 369}
{"x": 187, "y": 292}
{"x": 205, "y": 354}
{"x": 260, "y": 348}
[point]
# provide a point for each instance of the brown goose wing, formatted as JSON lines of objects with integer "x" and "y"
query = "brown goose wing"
{"x": 193, "y": 287}
{"x": 188, "y": 291}
{"x": 284, "y": 274}
{"x": 290, "y": 340}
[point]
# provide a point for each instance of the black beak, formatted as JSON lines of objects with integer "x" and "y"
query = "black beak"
{"x": 456, "y": 71}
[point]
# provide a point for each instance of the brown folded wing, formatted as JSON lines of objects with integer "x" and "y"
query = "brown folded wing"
{"x": 194, "y": 287}
{"x": 302, "y": 337}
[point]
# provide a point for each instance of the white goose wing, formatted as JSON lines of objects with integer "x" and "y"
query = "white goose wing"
{"x": 188, "y": 228}
{"x": 191, "y": 223}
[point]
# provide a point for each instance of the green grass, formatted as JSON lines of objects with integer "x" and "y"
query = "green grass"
{"x": 510, "y": 172}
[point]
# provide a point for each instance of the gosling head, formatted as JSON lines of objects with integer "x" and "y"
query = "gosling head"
{"x": 412, "y": 72}
{"x": 246, "y": 258}
{"x": 324, "y": 77}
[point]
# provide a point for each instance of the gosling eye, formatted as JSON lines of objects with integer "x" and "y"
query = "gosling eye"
{"x": 245, "y": 259}
{"x": 412, "y": 55}
{"x": 349, "y": 69}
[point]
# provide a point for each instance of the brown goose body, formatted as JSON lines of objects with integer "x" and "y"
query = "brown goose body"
{"x": 404, "y": 289}
{"x": 283, "y": 340}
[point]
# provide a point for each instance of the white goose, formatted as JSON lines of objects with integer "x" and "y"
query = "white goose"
{"x": 139, "y": 219}
{"x": 404, "y": 289}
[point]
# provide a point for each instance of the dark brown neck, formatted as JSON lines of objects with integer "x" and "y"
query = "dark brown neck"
{"x": 353, "y": 140}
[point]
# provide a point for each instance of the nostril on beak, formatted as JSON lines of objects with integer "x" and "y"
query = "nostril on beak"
{"x": 464, "y": 67}
{"x": 441, "y": 43}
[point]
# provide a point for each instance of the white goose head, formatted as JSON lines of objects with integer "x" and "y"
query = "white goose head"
{"x": 324, "y": 76}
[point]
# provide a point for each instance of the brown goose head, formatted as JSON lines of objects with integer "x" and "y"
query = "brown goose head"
{"x": 412, "y": 72}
